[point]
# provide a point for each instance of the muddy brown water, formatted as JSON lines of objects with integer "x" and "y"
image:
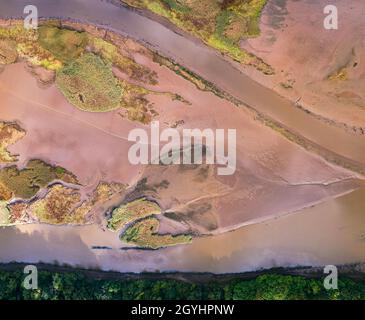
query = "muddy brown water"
{"x": 330, "y": 233}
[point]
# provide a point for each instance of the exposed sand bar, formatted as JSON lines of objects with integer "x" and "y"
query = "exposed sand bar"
{"x": 202, "y": 60}
{"x": 330, "y": 233}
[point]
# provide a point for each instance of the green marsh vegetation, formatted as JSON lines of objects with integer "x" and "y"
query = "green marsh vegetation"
{"x": 26, "y": 182}
{"x": 85, "y": 79}
{"x": 144, "y": 234}
{"x": 10, "y": 133}
{"x": 219, "y": 23}
{"x": 59, "y": 206}
{"x": 132, "y": 211}
{"x": 89, "y": 84}
{"x": 142, "y": 225}
{"x": 65, "y": 45}
{"x": 84, "y": 67}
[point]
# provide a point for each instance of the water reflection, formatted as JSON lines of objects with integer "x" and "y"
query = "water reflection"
{"x": 330, "y": 233}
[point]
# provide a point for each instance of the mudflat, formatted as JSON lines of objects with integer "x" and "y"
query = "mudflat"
{"x": 94, "y": 147}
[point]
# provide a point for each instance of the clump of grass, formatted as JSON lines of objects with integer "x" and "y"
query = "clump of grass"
{"x": 18, "y": 33}
{"x": 5, "y": 192}
{"x": 138, "y": 107}
{"x": 132, "y": 211}
{"x": 86, "y": 79}
{"x": 125, "y": 64}
{"x": 4, "y": 213}
{"x": 61, "y": 205}
{"x": 27, "y": 46}
{"x": 57, "y": 207}
{"x": 341, "y": 75}
{"x": 144, "y": 234}
{"x": 26, "y": 183}
{"x": 89, "y": 84}
{"x": 135, "y": 102}
{"x": 65, "y": 45}
{"x": 177, "y": 6}
{"x": 103, "y": 192}
{"x": 10, "y": 133}
{"x": 8, "y": 53}
{"x": 18, "y": 212}
{"x": 36, "y": 55}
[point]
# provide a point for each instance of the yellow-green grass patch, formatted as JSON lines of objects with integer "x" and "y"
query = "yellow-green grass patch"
{"x": 144, "y": 234}
{"x": 27, "y": 46}
{"x": 4, "y": 213}
{"x": 8, "y": 52}
{"x": 89, "y": 84}
{"x": 127, "y": 65}
{"x": 132, "y": 211}
{"x": 340, "y": 74}
{"x": 220, "y": 24}
{"x": 36, "y": 55}
{"x": 103, "y": 193}
{"x": 58, "y": 206}
{"x": 17, "y": 33}
{"x": 10, "y": 133}
{"x": 25, "y": 183}
{"x": 66, "y": 45}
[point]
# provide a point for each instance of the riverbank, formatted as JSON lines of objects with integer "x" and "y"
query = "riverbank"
{"x": 351, "y": 271}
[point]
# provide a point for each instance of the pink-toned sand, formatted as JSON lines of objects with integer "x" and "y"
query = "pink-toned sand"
{"x": 273, "y": 175}
{"x": 304, "y": 54}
